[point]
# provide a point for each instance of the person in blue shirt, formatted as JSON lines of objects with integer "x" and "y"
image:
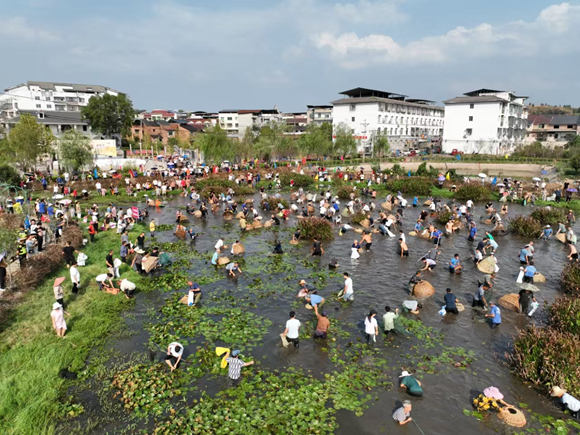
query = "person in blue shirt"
{"x": 418, "y": 226}
{"x": 455, "y": 265}
{"x": 450, "y": 302}
{"x": 495, "y": 315}
{"x": 524, "y": 256}
{"x": 472, "y": 232}
{"x": 50, "y": 211}
{"x": 44, "y": 183}
{"x": 529, "y": 272}
{"x": 415, "y": 201}
{"x": 315, "y": 300}
{"x": 437, "y": 237}
{"x": 214, "y": 258}
{"x": 547, "y": 233}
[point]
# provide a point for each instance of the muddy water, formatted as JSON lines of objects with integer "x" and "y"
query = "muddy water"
{"x": 380, "y": 277}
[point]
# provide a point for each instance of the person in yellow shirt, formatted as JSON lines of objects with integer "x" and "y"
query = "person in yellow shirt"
{"x": 152, "y": 228}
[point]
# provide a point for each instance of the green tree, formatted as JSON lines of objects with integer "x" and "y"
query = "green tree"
{"x": 344, "y": 143}
{"x": 273, "y": 141}
{"x": 28, "y": 141}
{"x": 245, "y": 147}
{"x": 381, "y": 145}
{"x": 9, "y": 175}
{"x": 215, "y": 145}
{"x": 317, "y": 141}
{"x": 74, "y": 151}
{"x": 109, "y": 115}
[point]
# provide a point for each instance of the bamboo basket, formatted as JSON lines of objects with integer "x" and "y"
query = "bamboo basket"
{"x": 310, "y": 209}
{"x": 365, "y": 223}
{"x": 294, "y": 242}
{"x": 183, "y": 219}
{"x": 487, "y": 265}
{"x": 386, "y": 206}
{"x": 423, "y": 290}
{"x": 256, "y": 224}
{"x": 240, "y": 215}
{"x": 197, "y": 213}
{"x": 512, "y": 416}
{"x": 561, "y": 237}
{"x": 239, "y": 249}
{"x": 150, "y": 263}
{"x": 539, "y": 278}
{"x": 223, "y": 260}
{"x": 267, "y": 224}
{"x": 510, "y": 302}
{"x": 180, "y": 234}
{"x": 427, "y": 203}
{"x": 228, "y": 216}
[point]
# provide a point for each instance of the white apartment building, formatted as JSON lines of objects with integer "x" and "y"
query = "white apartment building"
{"x": 485, "y": 121}
{"x": 407, "y": 123}
{"x": 235, "y": 122}
{"x": 319, "y": 114}
{"x": 48, "y": 96}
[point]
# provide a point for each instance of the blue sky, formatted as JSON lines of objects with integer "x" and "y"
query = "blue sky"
{"x": 248, "y": 54}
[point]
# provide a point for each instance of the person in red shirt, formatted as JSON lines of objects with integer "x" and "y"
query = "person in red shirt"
{"x": 74, "y": 194}
{"x": 92, "y": 233}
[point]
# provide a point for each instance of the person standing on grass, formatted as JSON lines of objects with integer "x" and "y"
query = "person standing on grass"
{"x": 371, "y": 327}
{"x": 75, "y": 277}
{"x": 141, "y": 240}
{"x": 92, "y": 233}
{"x": 323, "y": 324}
{"x": 58, "y": 290}
{"x": 291, "y": 332}
{"x": 68, "y": 253}
{"x": 402, "y": 415}
{"x": 450, "y": 302}
{"x": 235, "y": 366}
{"x": 58, "y": 322}
{"x": 110, "y": 263}
{"x": 124, "y": 251}
{"x": 495, "y": 315}
{"x": 174, "y": 354}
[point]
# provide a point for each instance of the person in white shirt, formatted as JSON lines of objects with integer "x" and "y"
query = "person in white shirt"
{"x": 174, "y": 354}
{"x": 469, "y": 204}
{"x": 127, "y": 287}
{"x": 348, "y": 292}
{"x": 371, "y": 327}
{"x": 292, "y": 329}
{"x": 462, "y": 209}
{"x": 569, "y": 402}
{"x": 98, "y": 186}
{"x": 219, "y": 245}
{"x": 75, "y": 277}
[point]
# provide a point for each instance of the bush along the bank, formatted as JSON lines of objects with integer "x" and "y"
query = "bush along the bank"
{"x": 570, "y": 280}
{"x": 300, "y": 180}
{"x": 549, "y": 216}
{"x": 565, "y": 315}
{"x": 525, "y": 226}
{"x": 410, "y": 186}
{"x": 443, "y": 217}
{"x": 344, "y": 192}
{"x": 474, "y": 192}
{"x": 358, "y": 217}
{"x": 273, "y": 203}
{"x": 314, "y": 227}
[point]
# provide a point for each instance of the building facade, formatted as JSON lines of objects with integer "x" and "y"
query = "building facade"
{"x": 552, "y": 130}
{"x": 57, "y": 122}
{"x": 236, "y": 122}
{"x": 484, "y": 121}
{"x": 48, "y": 97}
{"x": 319, "y": 114}
{"x": 407, "y": 123}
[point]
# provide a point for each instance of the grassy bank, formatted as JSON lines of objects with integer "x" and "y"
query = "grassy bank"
{"x": 31, "y": 355}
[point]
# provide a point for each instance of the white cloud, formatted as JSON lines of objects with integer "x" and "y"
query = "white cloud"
{"x": 555, "y": 30}
{"x": 18, "y": 27}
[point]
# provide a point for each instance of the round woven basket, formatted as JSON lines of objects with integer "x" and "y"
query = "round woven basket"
{"x": 215, "y": 207}
{"x": 386, "y": 206}
{"x": 228, "y": 216}
{"x": 257, "y": 224}
{"x": 310, "y": 209}
{"x": 487, "y": 265}
{"x": 365, "y": 223}
{"x": 423, "y": 290}
{"x": 267, "y": 224}
{"x": 243, "y": 224}
{"x": 358, "y": 230}
{"x": 427, "y": 203}
{"x": 239, "y": 215}
{"x": 249, "y": 201}
{"x": 293, "y": 197}
{"x": 539, "y": 278}
{"x": 412, "y": 233}
{"x": 512, "y": 416}
{"x": 424, "y": 234}
{"x": 183, "y": 219}
{"x": 180, "y": 234}
{"x": 294, "y": 242}
{"x": 197, "y": 213}
{"x": 510, "y": 302}
{"x": 223, "y": 260}
{"x": 561, "y": 237}
{"x": 239, "y": 249}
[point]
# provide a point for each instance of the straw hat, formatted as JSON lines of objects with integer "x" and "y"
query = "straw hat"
{"x": 59, "y": 281}
{"x": 56, "y": 306}
{"x": 405, "y": 373}
{"x": 557, "y": 391}
{"x": 301, "y": 282}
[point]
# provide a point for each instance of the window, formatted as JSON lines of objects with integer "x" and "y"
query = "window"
{"x": 49, "y": 106}
{"x": 236, "y": 125}
{"x": 37, "y": 98}
{"x": 86, "y": 129}
{"x": 38, "y": 106}
{"x": 541, "y": 125}
{"x": 556, "y": 136}
{"x": 352, "y": 108}
{"x": 471, "y": 118}
{"x": 469, "y": 131}
{"x": 81, "y": 100}
{"x": 229, "y": 118}
{"x": 570, "y": 127}
{"x": 352, "y": 119}
{"x": 556, "y": 126}
{"x": 472, "y": 106}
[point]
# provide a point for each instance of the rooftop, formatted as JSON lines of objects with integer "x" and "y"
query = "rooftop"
{"x": 51, "y": 86}
{"x": 476, "y": 99}
{"x": 364, "y": 92}
{"x": 381, "y": 100}
{"x": 51, "y": 117}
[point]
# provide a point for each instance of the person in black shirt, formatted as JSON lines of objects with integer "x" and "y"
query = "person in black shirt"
{"x": 275, "y": 220}
{"x": 450, "y": 302}
{"x": 316, "y": 248}
{"x": 278, "y": 247}
{"x": 109, "y": 263}
{"x": 141, "y": 241}
{"x": 68, "y": 253}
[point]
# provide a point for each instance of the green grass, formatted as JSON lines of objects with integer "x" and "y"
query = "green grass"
{"x": 121, "y": 198}
{"x": 572, "y": 205}
{"x": 31, "y": 355}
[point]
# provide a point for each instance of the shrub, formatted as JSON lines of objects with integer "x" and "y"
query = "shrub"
{"x": 525, "y": 226}
{"x": 344, "y": 192}
{"x": 565, "y": 315}
{"x": 549, "y": 216}
{"x": 570, "y": 279}
{"x": 547, "y": 357}
{"x": 358, "y": 217}
{"x": 273, "y": 203}
{"x": 422, "y": 171}
{"x": 410, "y": 186}
{"x": 9, "y": 175}
{"x": 397, "y": 170}
{"x": 443, "y": 217}
{"x": 299, "y": 179}
{"x": 315, "y": 227}
{"x": 474, "y": 192}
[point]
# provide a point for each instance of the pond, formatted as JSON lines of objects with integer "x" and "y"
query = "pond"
{"x": 268, "y": 288}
